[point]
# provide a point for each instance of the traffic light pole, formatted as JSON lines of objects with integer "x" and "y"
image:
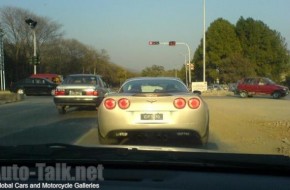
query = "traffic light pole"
{"x": 34, "y": 49}
{"x": 173, "y": 43}
{"x": 189, "y": 70}
{"x": 2, "y": 66}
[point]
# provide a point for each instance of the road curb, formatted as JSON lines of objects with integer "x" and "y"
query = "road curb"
{"x": 218, "y": 93}
{"x": 8, "y": 97}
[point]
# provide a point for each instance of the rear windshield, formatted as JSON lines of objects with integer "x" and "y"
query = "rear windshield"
{"x": 153, "y": 86}
{"x": 81, "y": 80}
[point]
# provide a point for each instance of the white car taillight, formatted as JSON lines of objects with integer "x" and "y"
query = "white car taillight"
{"x": 92, "y": 93}
{"x": 59, "y": 92}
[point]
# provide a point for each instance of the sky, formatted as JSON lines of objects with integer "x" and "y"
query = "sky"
{"x": 124, "y": 27}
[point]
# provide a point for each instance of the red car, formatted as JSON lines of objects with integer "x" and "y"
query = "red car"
{"x": 52, "y": 77}
{"x": 248, "y": 87}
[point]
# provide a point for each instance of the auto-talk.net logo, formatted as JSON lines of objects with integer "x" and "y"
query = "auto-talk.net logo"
{"x": 57, "y": 176}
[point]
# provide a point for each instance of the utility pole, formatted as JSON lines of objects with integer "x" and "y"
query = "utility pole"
{"x": 203, "y": 40}
{"x": 2, "y": 64}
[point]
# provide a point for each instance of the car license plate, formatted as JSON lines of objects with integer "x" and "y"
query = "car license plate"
{"x": 151, "y": 116}
{"x": 75, "y": 93}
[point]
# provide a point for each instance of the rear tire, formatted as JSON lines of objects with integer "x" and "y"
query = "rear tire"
{"x": 243, "y": 94}
{"x": 61, "y": 109}
{"x": 276, "y": 95}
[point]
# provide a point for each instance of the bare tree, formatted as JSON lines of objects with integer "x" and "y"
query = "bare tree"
{"x": 19, "y": 38}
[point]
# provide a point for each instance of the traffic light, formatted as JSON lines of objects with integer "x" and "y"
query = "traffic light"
{"x": 34, "y": 60}
{"x": 31, "y": 23}
{"x": 153, "y": 42}
{"x": 191, "y": 66}
{"x": 172, "y": 43}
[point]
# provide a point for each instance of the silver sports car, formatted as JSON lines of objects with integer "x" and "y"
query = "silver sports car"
{"x": 156, "y": 110}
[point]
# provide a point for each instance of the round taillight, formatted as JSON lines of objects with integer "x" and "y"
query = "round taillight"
{"x": 193, "y": 103}
{"x": 179, "y": 103}
{"x": 110, "y": 103}
{"x": 124, "y": 103}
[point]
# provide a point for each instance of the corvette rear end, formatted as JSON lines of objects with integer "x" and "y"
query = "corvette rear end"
{"x": 156, "y": 117}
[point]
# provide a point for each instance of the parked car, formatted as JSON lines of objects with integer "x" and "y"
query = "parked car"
{"x": 215, "y": 87}
{"x": 80, "y": 90}
{"x": 153, "y": 110}
{"x": 33, "y": 86}
{"x": 49, "y": 76}
{"x": 233, "y": 87}
{"x": 260, "y": 85}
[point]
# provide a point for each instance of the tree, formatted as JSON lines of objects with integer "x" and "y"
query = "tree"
{"x": 265, "y": 48}
{"x": 71, "y": 56}
{"x": 250, "y": 48}
{"x": 222, "y": 43}
{"x": 58, "y": 55}
{"x": 19, "y": 39}
{"x": 64, "y": 56}
{"x": 234, "y": 68}
{"x": 153, "y": 71}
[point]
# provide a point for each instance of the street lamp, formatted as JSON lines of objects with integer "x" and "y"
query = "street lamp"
{"x": 32, "y": 25}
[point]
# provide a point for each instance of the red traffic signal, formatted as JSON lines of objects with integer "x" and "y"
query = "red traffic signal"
{"x": 154, "y": 43}
{"x": 172, "y": 43}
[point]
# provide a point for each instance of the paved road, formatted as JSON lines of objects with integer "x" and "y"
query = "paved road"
{"x": 35, "y": 120}
{"x": 252, "y": 125}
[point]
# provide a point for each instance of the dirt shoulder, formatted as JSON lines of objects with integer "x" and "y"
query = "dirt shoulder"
{"x": 251, "y": 125}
